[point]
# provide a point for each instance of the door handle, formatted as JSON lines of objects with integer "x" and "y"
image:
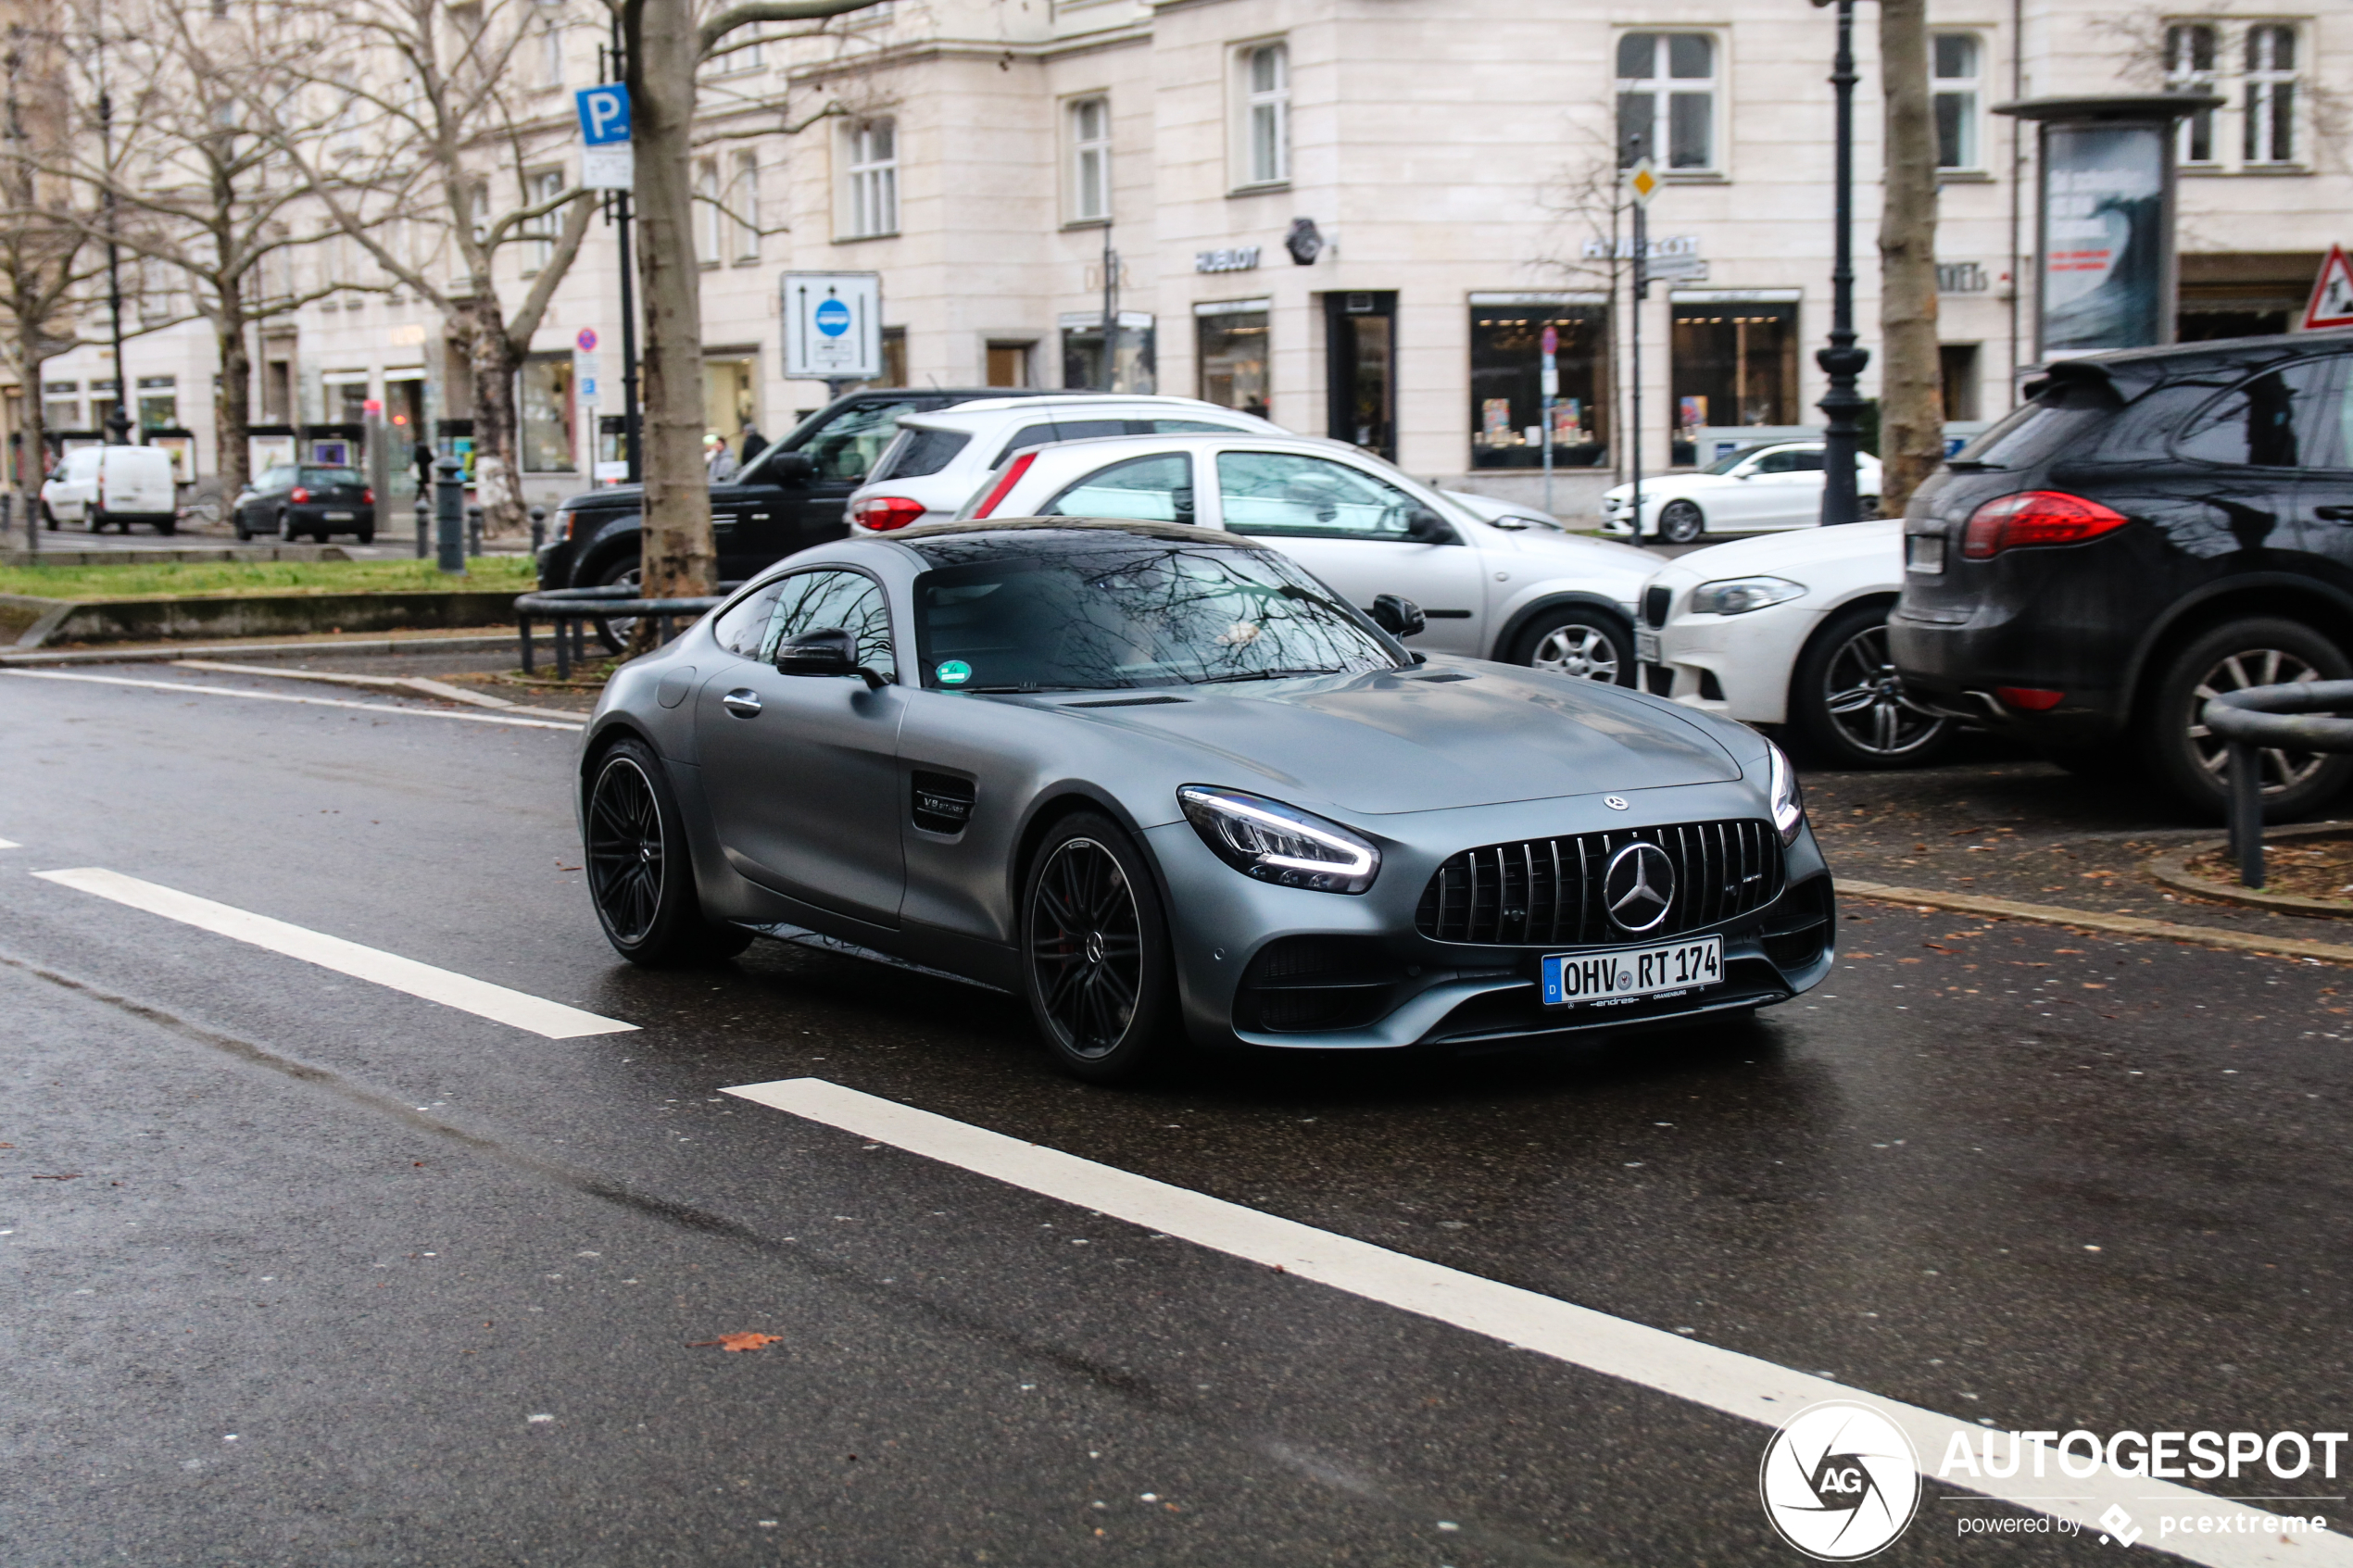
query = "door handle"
{"x": 2333, "y": 514}
{"x": 743, "y": 702}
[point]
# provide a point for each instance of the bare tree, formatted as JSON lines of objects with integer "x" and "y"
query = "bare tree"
{"x": 47, "y": 259}
{"x": 665, "y": 44}
{"x": 1911, "y": 391}
{"x": 437, "y": 145}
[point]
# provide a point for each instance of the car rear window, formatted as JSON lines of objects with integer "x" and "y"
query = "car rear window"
{"x": 920, "y": 452}
{"x": 324, "y": 477}
{"x": 2064, "y": 413}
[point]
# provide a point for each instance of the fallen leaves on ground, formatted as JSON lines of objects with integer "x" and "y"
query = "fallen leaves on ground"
{"x": 737, "y": 1341}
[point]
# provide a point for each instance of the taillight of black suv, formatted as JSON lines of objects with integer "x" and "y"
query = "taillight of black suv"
{"x": 2148, "y": 529}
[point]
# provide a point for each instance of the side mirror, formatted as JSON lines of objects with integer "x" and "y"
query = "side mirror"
{"x": 788, "y": 468}
{"x": 1425, "y": 527}
{"x": 831, "y": 651}
{"x": 1398, "y": 616}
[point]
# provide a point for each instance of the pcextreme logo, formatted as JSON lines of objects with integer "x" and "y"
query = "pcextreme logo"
{"x": 1840, "y": 1481}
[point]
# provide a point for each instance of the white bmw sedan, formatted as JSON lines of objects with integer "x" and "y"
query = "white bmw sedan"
{"x": 1792, "y": 629}
{"x": 1745, "y": 492}
{"x": 1507, "y": 589}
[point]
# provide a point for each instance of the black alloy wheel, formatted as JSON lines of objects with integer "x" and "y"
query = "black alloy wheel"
{"x": 1095, "y": 952}
{"x": 2193, "y": 761}
{"x": 614, "y": 633}
{"x": 1578, "y": 641}
{"x": 1846, "y": 698}
{"x": 1679, "y": 522}
{"x": 639, "y": 875}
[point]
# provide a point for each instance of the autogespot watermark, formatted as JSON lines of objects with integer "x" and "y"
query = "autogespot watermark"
{"x": 1841, "y": 1480}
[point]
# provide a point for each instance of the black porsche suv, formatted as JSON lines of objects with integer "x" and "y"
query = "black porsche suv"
{"x": 787, "y": 498}
{"x": 2148, "y": 529}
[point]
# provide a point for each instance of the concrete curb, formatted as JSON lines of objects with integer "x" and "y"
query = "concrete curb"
{"x": 99, "y": 556}
{"x": 2092, "y": 919}
{"x": 2172, "y": 868}
{"x": 155, "y": 654}
{"x": 256, "y": 614}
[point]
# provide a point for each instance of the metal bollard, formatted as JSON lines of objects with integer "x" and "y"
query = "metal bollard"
{"x": 424, "y": 514}
{"x": 538, "y": 530}
{"x": 449, "y": 515}
{"x": 473, "y": 531}
{"x": 2246, "y": 769}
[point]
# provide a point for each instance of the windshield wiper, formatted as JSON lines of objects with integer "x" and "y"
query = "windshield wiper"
{"x": 1263, "y": 675}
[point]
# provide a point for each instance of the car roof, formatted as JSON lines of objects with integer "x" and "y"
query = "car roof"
{"x": 1309, "y": 446}
{"x": 1029, "y": 530}
{"x": 979, "y": 415}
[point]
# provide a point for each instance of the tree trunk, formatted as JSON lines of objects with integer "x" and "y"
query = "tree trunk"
{"x": 663, "y": 49}
{"x": 233, "y": 408}
{"x": 493, "y": 364}
{"x": 1911, "y": 441}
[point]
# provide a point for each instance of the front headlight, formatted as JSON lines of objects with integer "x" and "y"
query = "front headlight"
{"x": 1278, "y": 843}
{"x": 1738, "y": 596}
{"x": 1789, "y": 800}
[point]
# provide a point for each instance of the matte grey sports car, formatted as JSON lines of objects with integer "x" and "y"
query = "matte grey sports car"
{"x": 1167, "y": 784}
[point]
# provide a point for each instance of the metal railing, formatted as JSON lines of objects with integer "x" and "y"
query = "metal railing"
{"x": 571, "y": 610}
{"x": 2297, "y": 715}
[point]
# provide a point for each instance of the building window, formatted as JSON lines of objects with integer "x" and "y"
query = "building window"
{"x": 546, "y": 184}
{"x": 710, "y": 219}
{"x": 873, "y": 179}
{"x": 2189, "y": 67}
{"x": 60, "y": 408}
{"x": 1507, "y": 388}
{"x": 2271, "y": 93}
{"x": 1732, "y": 365}
{"x": 1956, "y": 60}
{"x": 1133, "y": 366}
{"x": 1957, "y": 365}
{"x": 1266, "y": 113}
{"x": 551, "y": 53}
{"x": 1090, "y": 160}
{"x": 1666, "y": 99}
{"x": 1008, "y": 364}
{"x": 744, "y": 207}
{"x": 894, "y": 353}
{"x": 547, "y": 413}
{"x": 158, "y": 402}
{"x": 1232, "y": 357}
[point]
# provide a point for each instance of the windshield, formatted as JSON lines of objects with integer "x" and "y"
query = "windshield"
{"x": 331, "y": 476}
{"x": 2061, "y": 415}
{"x": 1127, "y": 611}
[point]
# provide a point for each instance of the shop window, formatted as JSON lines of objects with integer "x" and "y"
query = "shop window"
{"x": 1232, "y": 358}
{"x": 158, "y": 403}
{"x": 1089, "y": 160}
{"x": 2271, "y": 93}
{"x": 1734, "y": 365}
{"x": 1666, "y": 99}
{"x": 1360, "y": 380}
{"x": 1266, "y": 73}
{"x": 60, "y": 405}
{"x": 1133, "y": 368}
{"x": 872, "y": 204}
{"x": 1507, "y": 385}
{"x": 547, "y": 414}
{"x": 894, "y": 353}
{"x": 1957, "y": 61}
{"x": 2189, "y": 67}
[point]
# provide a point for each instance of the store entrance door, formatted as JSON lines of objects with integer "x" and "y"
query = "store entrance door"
{"x": 1360, "y": 376}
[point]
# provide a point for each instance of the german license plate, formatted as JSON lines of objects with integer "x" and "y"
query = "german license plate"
{"x": 1646, "y": 649}
{"x": 1617, "y": 976}
{"x": 1924, "y": 553}
{"x": 338, "y": 517}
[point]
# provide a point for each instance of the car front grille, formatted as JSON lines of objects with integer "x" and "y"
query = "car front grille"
{"x": 1547, "y": 891}
{"x": 1655, "y": 604}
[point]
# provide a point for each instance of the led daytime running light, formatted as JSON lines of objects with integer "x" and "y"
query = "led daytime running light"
{"x": 1276, "y": 843}
{"x": 1789, "y": 799}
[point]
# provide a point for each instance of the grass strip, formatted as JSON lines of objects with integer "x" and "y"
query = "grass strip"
{"x": 219, "y": 579}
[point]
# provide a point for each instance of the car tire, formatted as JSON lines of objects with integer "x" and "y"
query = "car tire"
{"x": 94, "y": 521}
{"x": 167, "y": 527}
{"x": 615, "y": 634}
{"x": 2259, "y": 651}
{"x": 641, "y": 876}
{"x": 1577, "y": 640}
{"x": 365, "y": 536}
{"x": 1845, "y": 699}
{"x": 1681, "y": 522}
{"x": 245, "y": 534}
{"x": 1095, "y": 957}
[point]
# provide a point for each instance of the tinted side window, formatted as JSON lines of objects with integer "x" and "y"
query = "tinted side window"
{"x": 1024, "y": 438}
{"x": 920, "y": 452}
{"x": 1278, "y": 492}
{"x": 1141, "y": 489}
{"x": 845, "y": 446}
{"x": 1177, "y": 427}
{"x": 1087, "y": 430}
{"x": 1805, "y": 462}
{"x": 818, "y": 601}
{"x": 1777, "y": 462}
{"x": 743, "y": 626}
{"x": 2265, "y": 422}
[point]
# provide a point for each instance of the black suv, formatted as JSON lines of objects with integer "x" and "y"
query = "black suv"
{"x": 2150, "y": 528}
{"x": 787, "y": 498}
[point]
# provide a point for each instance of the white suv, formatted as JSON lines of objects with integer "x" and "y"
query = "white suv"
{"x": 939, "y": 459}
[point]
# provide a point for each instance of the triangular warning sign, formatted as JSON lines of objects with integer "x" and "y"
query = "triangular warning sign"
{"x": 2332, "y": 294}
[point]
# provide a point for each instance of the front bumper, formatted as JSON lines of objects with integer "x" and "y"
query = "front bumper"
{"x": 1401, "y": 988}
{"x": 1736, "y": 666}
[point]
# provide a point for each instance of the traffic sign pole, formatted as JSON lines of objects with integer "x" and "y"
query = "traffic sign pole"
{"x": 1642, "y": 181}
{"x": 1549, "y": 386}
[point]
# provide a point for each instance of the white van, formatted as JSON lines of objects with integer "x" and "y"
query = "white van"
{"x": 98, "y": 486}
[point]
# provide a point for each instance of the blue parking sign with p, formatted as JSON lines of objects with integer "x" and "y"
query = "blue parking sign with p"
{"x": 604, "y": 115}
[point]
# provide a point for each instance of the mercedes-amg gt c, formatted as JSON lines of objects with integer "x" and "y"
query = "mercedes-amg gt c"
{"x": 1165, "y": 784}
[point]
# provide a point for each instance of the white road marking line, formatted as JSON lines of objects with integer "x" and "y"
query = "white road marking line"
{"x": 282, "y": 696}
{"x": 1722, "y": 1380}
{"x": 536, "y": 1015}
{"x": 9, "y": 844}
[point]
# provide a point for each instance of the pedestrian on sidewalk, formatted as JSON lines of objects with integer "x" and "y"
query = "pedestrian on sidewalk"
{"x": 750, "y": 447}
{"x": 722, "y": 461}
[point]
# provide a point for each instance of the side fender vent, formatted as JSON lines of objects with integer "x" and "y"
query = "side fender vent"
{"x": 943, "y": 803}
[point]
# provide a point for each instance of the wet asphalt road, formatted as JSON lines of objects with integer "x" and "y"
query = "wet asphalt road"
{"x": 344, "y": 1277}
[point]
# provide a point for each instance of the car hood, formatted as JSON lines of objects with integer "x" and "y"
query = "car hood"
{"x": 1857, "y": 546}
{"x": 1478, "y": 734}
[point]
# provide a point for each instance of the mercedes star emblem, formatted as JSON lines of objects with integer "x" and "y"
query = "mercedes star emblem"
{"x": 1639, "y": 886}
{"x": 1615, "y": 802}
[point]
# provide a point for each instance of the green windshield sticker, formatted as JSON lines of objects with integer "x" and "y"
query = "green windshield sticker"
{"x": 954, "y": 672}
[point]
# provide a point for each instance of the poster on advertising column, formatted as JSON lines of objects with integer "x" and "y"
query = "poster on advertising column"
{"x": 2104, "y": 241}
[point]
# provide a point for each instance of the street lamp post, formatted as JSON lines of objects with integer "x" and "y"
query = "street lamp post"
{"x": 118, "y": 421}
{"x": 1842, "y": 430}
